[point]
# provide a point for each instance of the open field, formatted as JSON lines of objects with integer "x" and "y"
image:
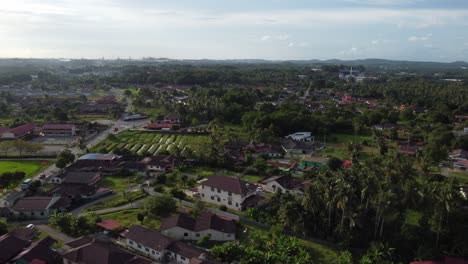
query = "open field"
{"x": 118, "y": 183}
{"x": 141, "y": 142}
{"x": 30, "y": 168}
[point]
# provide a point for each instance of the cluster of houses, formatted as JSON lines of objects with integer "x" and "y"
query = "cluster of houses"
{"x": 31, "y": 129}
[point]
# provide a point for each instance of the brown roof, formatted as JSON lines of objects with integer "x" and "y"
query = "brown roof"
{"x": 11, "y": 246}
{"x": 148, "y": 237}
{"x": 99, "y": 252}
{"x": 21, "y": 130}
{"x": 230, "y": 184}
{"x": 41, "y": 251}
{"x": 4, "y": 129}
{"x": 185, "y": 250}
{"x": 38, "y": 203}
{"x": 81, "y": 177}
{"x": 205, "y": 221}
{"x": 58, "y": 126}
{"x": 24, "y": 233}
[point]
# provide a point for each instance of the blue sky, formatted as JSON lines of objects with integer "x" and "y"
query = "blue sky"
{"x": 422, "y": 30}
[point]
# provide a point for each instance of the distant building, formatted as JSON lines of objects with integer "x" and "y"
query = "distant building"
{"x": 19, "y": 132}
{"x": 172, "y": 119}
{"x": 284, "y": 184}
{"x": 58, "y": 130}
{"x": 301, "y": 136}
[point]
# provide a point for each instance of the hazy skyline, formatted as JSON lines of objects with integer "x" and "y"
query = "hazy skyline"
{"x": 423, "y": 30}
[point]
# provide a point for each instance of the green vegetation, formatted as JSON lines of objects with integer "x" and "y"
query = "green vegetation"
{"x": 118, "y": 183}
{"x": 139, "y": 142}
{"x": 30, "y": 168}
{"x": 251, "y": 178}
{"x": 124, "y": 198}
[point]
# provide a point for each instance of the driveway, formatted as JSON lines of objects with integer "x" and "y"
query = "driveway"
{"x": 55, "y": 234}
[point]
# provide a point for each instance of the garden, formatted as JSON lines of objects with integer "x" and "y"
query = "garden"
{"x": 142, "y": 142}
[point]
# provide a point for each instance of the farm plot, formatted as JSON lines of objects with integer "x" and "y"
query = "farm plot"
{"x": 142, "y": 142}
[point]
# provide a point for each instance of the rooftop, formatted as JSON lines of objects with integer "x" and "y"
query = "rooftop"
{"x": 229, "y": 184}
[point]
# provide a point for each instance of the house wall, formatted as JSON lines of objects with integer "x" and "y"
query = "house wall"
{"x": 220, "y": 197}
{"x": 8, "y": 135}
{"x": 178, "y": 233}
{"x": 33, "y": 214}
{"x": 144, "y": 250}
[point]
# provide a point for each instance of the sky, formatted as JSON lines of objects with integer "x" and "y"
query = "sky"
{"x": 420, "y": 30}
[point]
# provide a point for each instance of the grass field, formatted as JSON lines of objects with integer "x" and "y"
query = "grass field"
{"x": 118, "y": 201}
{"x": 30, "y": 168}
{"x": 462, "y": 177}
{"x": 118, "y": 184}
{"x": 141, "y": 142}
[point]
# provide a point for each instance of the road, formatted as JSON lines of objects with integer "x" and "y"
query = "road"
{"x": 78, "y": 210}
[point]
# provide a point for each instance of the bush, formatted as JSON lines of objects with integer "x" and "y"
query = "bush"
{"x": 158, "y": 188}
{"x": 223, "y": 208}
{"x": 160, "y": 205}
{"x": 177, "y": 193}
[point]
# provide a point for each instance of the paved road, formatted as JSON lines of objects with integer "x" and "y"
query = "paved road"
{"x": 55, "y": 234}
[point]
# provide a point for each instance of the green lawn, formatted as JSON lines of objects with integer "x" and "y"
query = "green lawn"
{"x": 118, "y": 200}
{"x": 31, "y": 168}
{"x": 117, "y": 183}
{"x": 462, "y": 177}
{"x": 251, "y": 178}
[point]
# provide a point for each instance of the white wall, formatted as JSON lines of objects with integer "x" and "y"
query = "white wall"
{"x": 178, "y": 233}
{"x": 221, "y": 197}
{"x": 151, "y": 253}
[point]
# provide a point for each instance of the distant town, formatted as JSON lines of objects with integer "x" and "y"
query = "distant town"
{"x": 203, "y": 162}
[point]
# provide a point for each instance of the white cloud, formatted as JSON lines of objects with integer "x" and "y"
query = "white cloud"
{"x": 420, "y": 38}
{"x": 281, "y": 37}
{"x": 383, "y": 2}
{"x": 375, "y": 42}
{"x": 298, "y": 44}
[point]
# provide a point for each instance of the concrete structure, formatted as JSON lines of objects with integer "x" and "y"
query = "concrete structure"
{"x": 302, "y": 136}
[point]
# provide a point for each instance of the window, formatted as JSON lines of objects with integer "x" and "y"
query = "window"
{"x": 42, "y": 213}
{"x": 228, "y": 235}
{"x": 139, "y": 246}
{"x": 147, "y": 249}
{"x": 130, "y": 242}
{"x": 185, "y": 234}
{"x": 32, "y": 213}
{"x": 237, "y": 204}
{"x": 212, "y": 197}
{"x": 230, "y": 202}
{"x": 230, "y": 193}
{"x": 219, "y": 199}
{"x": 202, "y": 195}
{"x": 219, "y": 191}
{"x": 182, "y": 258}
{"x": 152, "y": 251}
{"x": 197, "y": 235}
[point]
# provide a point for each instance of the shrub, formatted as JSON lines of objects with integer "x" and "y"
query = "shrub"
{"x": 223, "y": 208}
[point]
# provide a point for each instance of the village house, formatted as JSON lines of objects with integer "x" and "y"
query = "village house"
{"x": 104, "y": 163}
{"x": 19, "y": 132}
{"x": 458, "y": 154}
{"x": 58, "y": 130}
{"x": 39, "y": 207}
{"x": 264, "y": 150}
{"x": 156, "y": 246}
{"x": 229, "y": 191}
{"x": 99, "y": 250}
{"x": 186, "y": 227}
{"x": 77, "y": 185}
{"x": 159, "y": 164}
{"x": 299, "y": 148}
{"x": 76, "y": 177}
{"x": 171, "y": 119}
{"x": 284, "y": 184}
{"x": 11, "y": 246}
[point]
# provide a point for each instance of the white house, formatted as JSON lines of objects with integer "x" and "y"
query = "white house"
{"x": 229, "y": 191}
{"x": 185, "y": 227}
{"x": 156, "y": 246}
{"x": 302, "y": 136}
